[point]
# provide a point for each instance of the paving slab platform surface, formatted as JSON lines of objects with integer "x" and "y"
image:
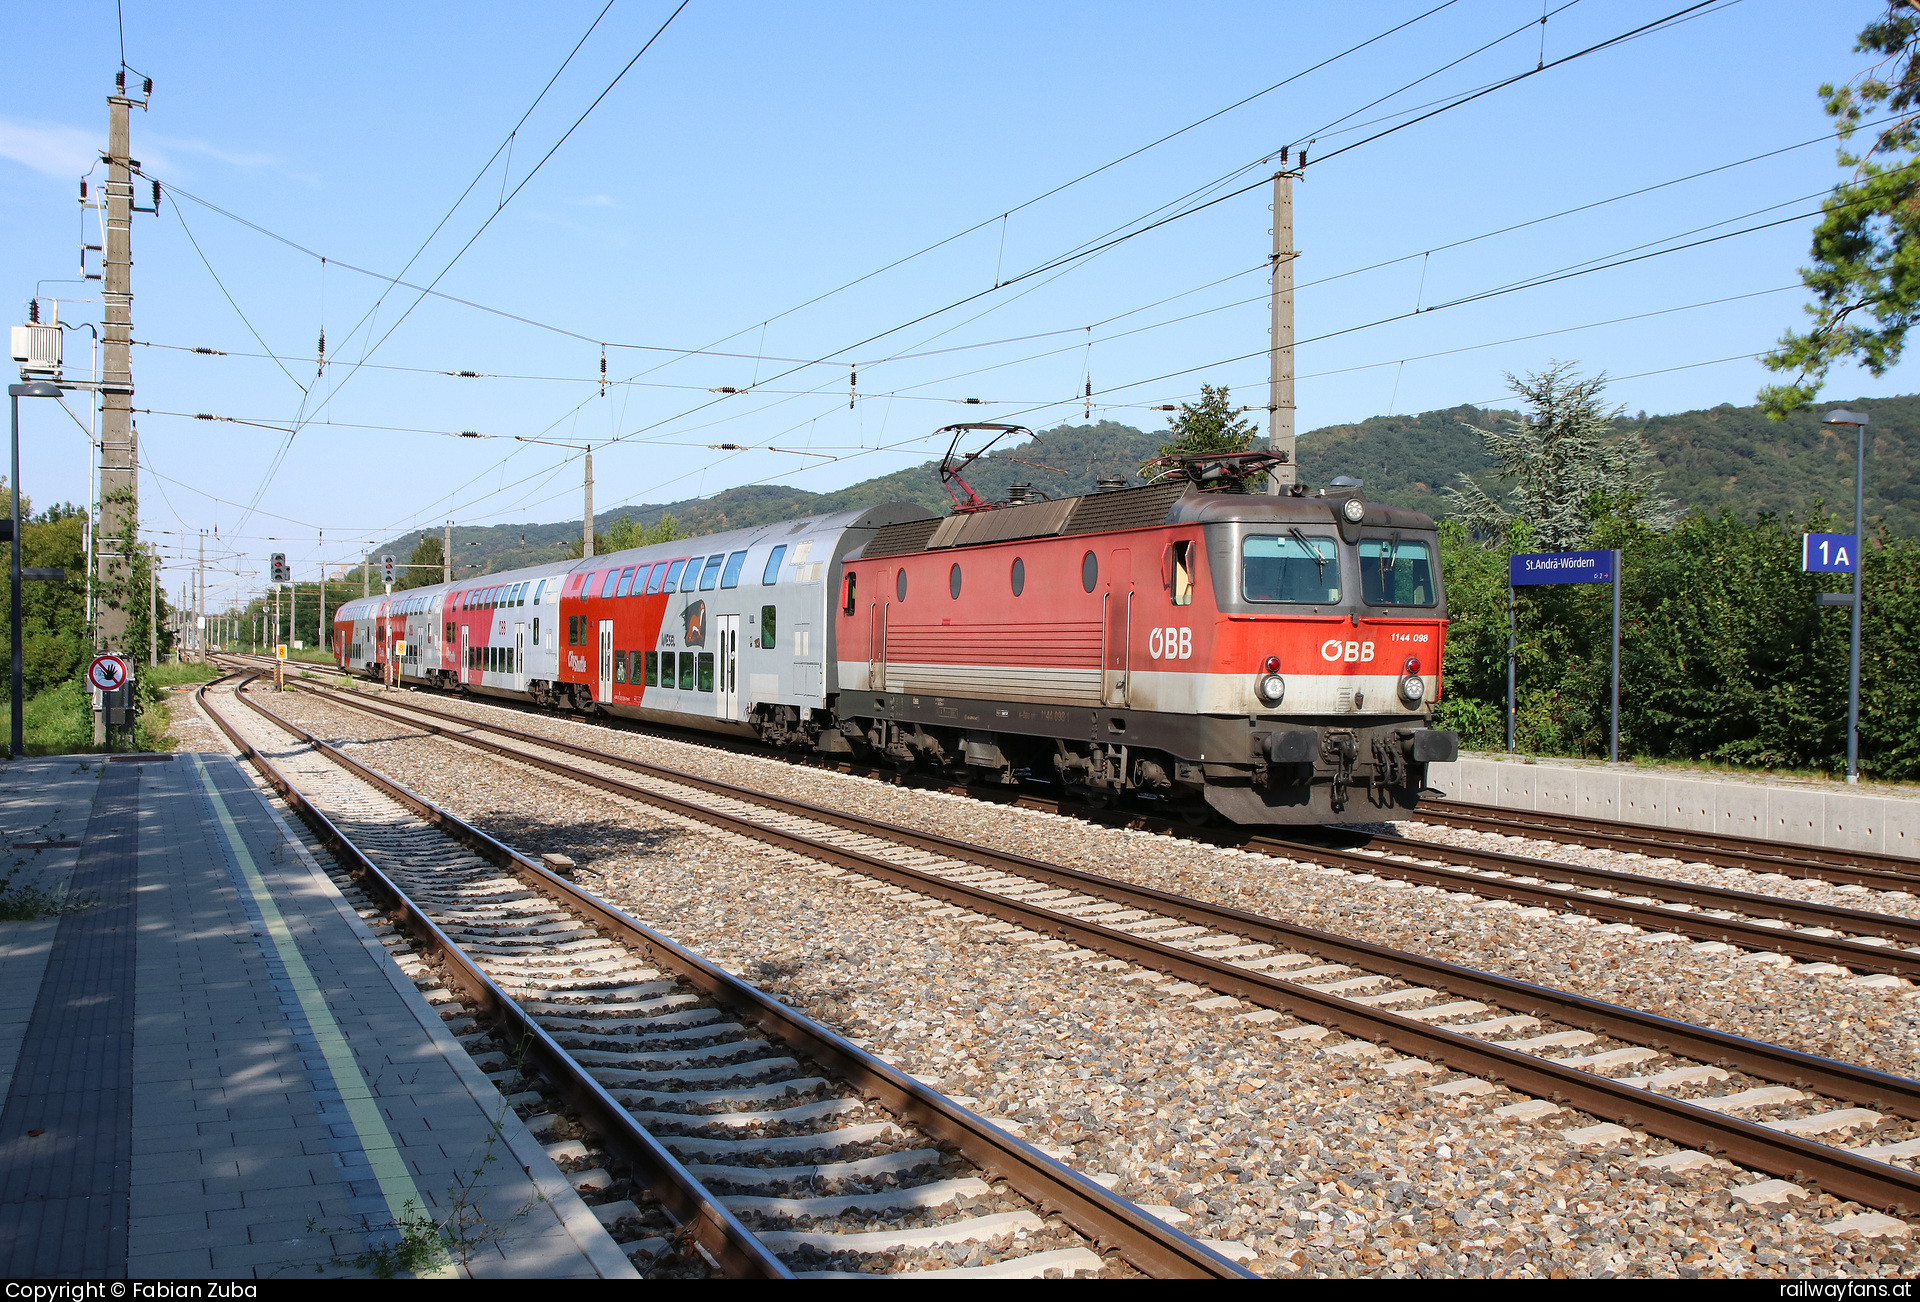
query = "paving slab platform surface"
{"x": 212, "y": 1068}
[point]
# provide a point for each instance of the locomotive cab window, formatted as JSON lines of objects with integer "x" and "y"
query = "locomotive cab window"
{"x": 1294, "y": 568}
{"x": 847, "y": 606}
{"x": 1180, "y": 572}
{"x": 1394, "y": 572}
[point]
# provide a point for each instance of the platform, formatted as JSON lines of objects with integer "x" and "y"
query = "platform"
{"x": 211, "y": 1067}
{"x": 1812, "y": 813}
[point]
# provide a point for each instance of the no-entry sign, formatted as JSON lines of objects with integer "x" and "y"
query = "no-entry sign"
{"x": 108, "y": 673}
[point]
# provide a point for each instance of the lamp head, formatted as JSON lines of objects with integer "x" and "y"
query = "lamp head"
{"x": 34, "y": 389}
{"x": 1841, "y": 416}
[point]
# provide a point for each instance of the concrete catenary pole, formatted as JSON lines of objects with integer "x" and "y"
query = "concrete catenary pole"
{"x": 119, "y": 487}
{"x": 446, "y": 553}
{"x": 366, "y": 573}
{"x": 200, "y": 599}
{"x": 321, "y": 637}
{"x": 586, "y": 530}
{"x": 153, "y": 610}
{"x": 1280, "y": 432}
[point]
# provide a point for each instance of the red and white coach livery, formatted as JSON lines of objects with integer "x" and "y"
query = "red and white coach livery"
{"x": 1188, "y": 645}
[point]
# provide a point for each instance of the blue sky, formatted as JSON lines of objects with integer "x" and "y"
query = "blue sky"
{"x": 760, "y": 155}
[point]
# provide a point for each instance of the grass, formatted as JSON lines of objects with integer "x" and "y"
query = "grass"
{"x": 59, "y": 720}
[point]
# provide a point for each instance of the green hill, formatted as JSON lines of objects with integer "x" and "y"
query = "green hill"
{"x": 1723, "y": 457}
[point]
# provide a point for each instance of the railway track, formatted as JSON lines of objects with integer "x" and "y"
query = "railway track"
{"x": 738, "y": 1129}
{"x": 1881, "y": 944}
{"x": 1887, "y": 872}
{"x": 1760, "y": 1105}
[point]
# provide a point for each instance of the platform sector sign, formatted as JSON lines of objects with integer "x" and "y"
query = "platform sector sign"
{"x": 1559, "y": 567}
{"x": 108, "y": 673}
{"x": 1829, "y": 553}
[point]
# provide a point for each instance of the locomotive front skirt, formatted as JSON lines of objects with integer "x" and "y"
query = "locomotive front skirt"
{"x": 1268, "y": 659}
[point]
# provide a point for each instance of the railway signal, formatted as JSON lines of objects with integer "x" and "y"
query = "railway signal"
{"x": 386, "y": 570}
{"x": 279, "y": 567}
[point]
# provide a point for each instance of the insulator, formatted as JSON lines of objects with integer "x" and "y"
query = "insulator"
{"x": 1283, "y": 155}
{"x": 156, "y": 196}
{"x": 120, "y": 80}
{"x": 83, "y": 188}
{"x": 146, "y": 87}
{"x": 33, "y": 311}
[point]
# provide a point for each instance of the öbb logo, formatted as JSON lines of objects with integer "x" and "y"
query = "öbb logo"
{"x": 1170, "y": 644}
{"x": 1352, "y": 652}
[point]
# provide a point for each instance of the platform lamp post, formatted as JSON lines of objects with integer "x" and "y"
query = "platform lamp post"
{"x": 17, "y": 746}
{"x": 1839, "y": 420}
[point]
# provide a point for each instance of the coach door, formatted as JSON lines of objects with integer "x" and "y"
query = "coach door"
{"x": 520, "y": 657}
{"x": 466, "y": 665}
{"x": 1117, "y": 633}
{"x": 727, "y": 678}
{"x": 606, "y": 661}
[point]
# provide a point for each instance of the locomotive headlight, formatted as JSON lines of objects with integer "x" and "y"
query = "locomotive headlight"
{"x": 1413, "y": 688}
{"x": 1353, "y": 508}
{"x": 1271, "y": 689}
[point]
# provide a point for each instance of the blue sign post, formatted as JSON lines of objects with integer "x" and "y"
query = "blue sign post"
{"x": 1533, "y": 569}
{"x": 1829, "y": 553}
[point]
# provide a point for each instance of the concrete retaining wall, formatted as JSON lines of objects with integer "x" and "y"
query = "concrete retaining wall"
{"x": 1802, "y": 814}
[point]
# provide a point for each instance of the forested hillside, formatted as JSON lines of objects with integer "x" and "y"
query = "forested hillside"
{"x": 1725, "y": 457}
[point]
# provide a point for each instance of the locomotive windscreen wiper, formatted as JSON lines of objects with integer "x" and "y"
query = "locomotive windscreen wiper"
{"x": 1312, "y": 551}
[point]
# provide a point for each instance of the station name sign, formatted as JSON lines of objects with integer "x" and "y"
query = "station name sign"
{"x": 1560, "y": 567}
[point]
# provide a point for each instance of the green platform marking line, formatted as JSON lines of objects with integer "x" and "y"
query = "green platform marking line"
{"x": 376, "y": 1141}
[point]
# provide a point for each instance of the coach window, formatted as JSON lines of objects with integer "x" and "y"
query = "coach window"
{"x": 451, "y": 635}
{"x": 653, "y": 669}
{"x": 606, "y": 588}
{"x": 686, "y": 671}
{"x": 619, "y": 666}
{"x": 710, "y": 575}
{"x": 673, "y": 575}
{"x": 520, "y": 594}
{"x": 654, "y": 579}
{"x": 626, "y": 582}
{"x": 767, "y": 629}
{"x": 900, "y": 585}
{"x": 706, "y": 671}
{"x": 538, "y": 589}
{"x": 953, "y": 581}
{"x": 730, "y": 577}
{"x": 1180, "y": 572}
{"x": 1018, "y": 578}
{"x": 772, "y": 572}
{"x": 536, "y": 630}
{"x": 1089, "y": 571}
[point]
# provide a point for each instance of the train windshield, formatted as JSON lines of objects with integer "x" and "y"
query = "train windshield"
{"x": 1396, "y": 573}
{"x": 1293, "y": 567}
